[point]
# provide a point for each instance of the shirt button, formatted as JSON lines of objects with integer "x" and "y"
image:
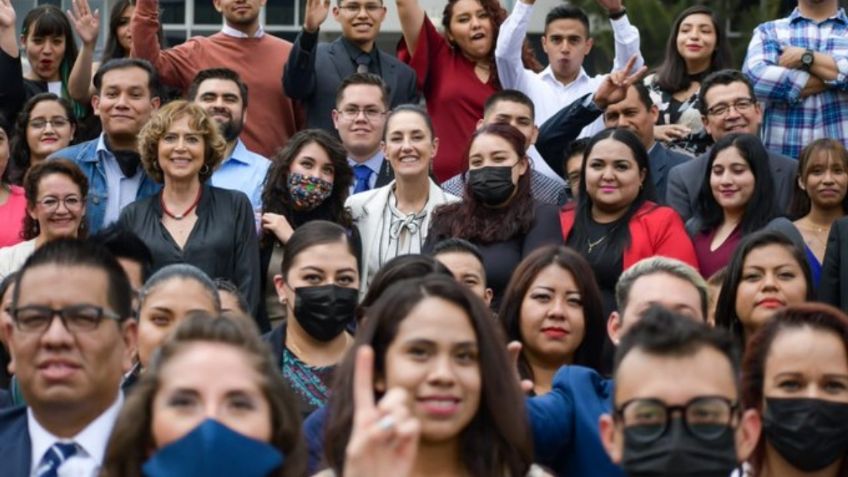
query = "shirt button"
{"x": 96, "y": 200}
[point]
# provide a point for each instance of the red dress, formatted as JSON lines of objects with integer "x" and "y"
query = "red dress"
{"x": 455, "y": 96}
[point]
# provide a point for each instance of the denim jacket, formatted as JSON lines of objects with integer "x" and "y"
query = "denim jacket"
{"x": 86, "y": 157}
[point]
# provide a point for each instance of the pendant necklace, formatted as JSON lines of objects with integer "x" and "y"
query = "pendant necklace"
{"x": 594, "y": 244}
{"x": 187, "y": 211}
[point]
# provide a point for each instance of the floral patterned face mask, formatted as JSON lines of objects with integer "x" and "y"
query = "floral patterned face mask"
{"x": 308, "y": 192}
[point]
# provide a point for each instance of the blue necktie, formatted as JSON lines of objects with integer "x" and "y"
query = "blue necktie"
{"x": 55, "y": 456}
{"x": 362, "y": 173}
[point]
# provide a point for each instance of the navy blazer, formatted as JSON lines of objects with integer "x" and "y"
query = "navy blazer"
{"x": 15, "y": 445}
{"x": 313, "y": 73}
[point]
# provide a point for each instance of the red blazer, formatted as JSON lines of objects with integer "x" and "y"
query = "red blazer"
{"x": 654, "y": 230}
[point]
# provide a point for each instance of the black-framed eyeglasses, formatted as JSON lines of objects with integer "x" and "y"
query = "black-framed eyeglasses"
{"x": 741, "y": 105}
{"x": 705, "y": 417}
{"x": 75, "y": 318}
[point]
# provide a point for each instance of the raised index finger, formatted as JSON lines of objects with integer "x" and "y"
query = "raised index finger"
{"x": 363, "y": 380}
{"x": 629, "y": 65}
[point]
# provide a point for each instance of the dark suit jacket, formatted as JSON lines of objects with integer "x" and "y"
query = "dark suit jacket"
{"x": 15, "y": 445}
{"x": 386, "y": 175}
{"x": 833, "y": 287}
{"x": 684, "y": 182}
{"x": 314, "y": 72}
{"x": 563, "y": 127}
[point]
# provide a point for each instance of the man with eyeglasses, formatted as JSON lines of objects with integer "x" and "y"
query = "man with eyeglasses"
{"x": 728, "y": 105}
{"x": 315, "y": 70}
{"x": 360, "y": 117}
{"x": 72, "y": 339}
{"x": 676, "y": 405}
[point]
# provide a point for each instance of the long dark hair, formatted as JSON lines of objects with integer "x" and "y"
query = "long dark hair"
{"x": 20, "y": 151}
{"x": 671, "y": 75}
{"x": 817, "y": 316}
{"x": 474, "y": 221}
{"x": 761, "y": 207}
{"x": 619, "y": 237}
{"x": 725, "y": 311}
{"x": 49, "y": 20}
{"x": 275, "y": 190}
{"x": 498, "y": 14}
{"x": 113, "y": 48}
{"x": 495, "y": 442}
{"x": 588, "y": 353}
{"x": 801, "y": 204}
{"x": 5, "y": 176}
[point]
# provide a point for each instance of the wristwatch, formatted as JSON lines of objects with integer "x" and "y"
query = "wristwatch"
{"x": 618, "y": 14}
{"x": 807, "y": 60}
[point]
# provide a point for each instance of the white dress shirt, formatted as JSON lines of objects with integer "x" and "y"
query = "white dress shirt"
{"x": 230, "y": 31}
{"x": 549, "y": 95}
{"x": 91, "y": 442}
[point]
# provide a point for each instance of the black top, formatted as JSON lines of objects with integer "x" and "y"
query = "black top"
{"x": 222, "y": 243}
{"x": 501, "y": 258}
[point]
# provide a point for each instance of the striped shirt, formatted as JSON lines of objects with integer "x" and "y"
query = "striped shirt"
{"x": 790, "y": 122}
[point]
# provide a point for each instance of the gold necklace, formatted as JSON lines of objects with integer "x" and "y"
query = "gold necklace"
{"x": 594, "y": 244}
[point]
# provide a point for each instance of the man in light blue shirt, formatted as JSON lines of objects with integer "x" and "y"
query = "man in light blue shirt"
{"x": 224, "y": 95}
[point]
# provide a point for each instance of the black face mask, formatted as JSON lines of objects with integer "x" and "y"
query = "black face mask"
{"x": 491, "y": 185}
{"x": 324, "y": 311}
{"x": 678, "y": 453}
{"x": 810, "y": 434}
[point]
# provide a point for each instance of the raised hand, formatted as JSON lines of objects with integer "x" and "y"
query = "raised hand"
{"x": 611, "y": 6}
{"x": 670, "y": 132}
{"x": 614, "y": 87}
{"x": 316, "y": 13}
{"x": 86, "y": 23}
{"x": 384, "y": 438}
{"x": 7, "y": 14}
{"x": 513, "y": 348}
{"x": 278, "y": 225}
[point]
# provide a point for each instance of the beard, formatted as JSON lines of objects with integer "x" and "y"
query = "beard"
{"x": 231, "y": 129}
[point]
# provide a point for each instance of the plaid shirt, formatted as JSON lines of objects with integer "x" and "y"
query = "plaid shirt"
{"x": 790, "y": 122}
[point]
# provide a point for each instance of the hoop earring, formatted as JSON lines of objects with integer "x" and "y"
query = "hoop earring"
{"x": 205, "y": 169}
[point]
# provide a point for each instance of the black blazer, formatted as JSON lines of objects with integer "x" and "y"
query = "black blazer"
{"x": 314, "y": 72}
{"x": 833, "y": 286}
{"x": 15, "y": 444}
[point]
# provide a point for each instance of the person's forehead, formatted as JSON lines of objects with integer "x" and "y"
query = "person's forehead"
{"x": 659, "y": 285}
{"x": 566, "y": 27}
{"x": 631, "y": 100}
{"x": 724, "y": 92}
{"x": 506, "y": 107}
{"x": 59, "y": 285}
{"x": 461, "y": 261}
{"x": 218, "y": 86}
{"x": 131, "y": 76}
{"x": 362, "y": 94}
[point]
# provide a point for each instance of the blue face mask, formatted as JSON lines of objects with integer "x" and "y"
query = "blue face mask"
{"x": 214, "y": 450}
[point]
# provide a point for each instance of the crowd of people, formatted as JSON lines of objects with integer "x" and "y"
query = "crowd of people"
{"x": 321, "y": 258}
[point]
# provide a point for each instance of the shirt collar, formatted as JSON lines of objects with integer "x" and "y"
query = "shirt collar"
{"x": 230, "y": 31}
{"x": 240, "y": 153}
{"x": 796, "y": 15}
{"x": 374, "y": 163}
{"x": 548, "y": 74}
{"x": 101, "y": 151}
{"x": 92, "y": 440}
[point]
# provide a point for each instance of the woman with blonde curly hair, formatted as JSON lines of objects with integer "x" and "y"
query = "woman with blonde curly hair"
{"x": 189, "y": 221}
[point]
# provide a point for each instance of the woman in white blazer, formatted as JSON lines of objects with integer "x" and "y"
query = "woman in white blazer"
{"x": 394, "y": 219}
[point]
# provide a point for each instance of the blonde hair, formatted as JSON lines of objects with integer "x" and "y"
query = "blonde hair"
{"x": 198, "y": 119}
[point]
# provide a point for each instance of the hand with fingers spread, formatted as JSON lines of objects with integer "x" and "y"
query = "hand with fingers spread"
{"x": 670, "y": 132}
{"x": 384, "y": 437}
{"x": 7, "y": 14}
{"x": 86, "y": 23}
{"x": 614, "y": 87}
{"x": 316, "y": 13}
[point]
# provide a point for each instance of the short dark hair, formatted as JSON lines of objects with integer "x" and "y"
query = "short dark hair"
{"x": 511, "y": 95}
{"x": 576, "y": 147}
{"x": 217, "y": 73}
{"x": 662, "y": 332}
{"x": 368, "y": 79}
{"x": 457, "y": 245}
{"x": 153, "y": 82}
{"x": 415, "y": 109}
{"x": 124, "y": 243}
{"x": 222, "y": 284}
{"x": 317, "y": 232}
{"x": 396, "y": 269}
{"x": 644, "y": 94}
{"x": 80, "y": 253}
{"x": 722, "y": 78}
{"x": 567, "y": 12}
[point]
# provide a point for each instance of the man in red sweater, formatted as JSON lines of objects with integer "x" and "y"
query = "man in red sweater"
{"x": 243, "y": 46}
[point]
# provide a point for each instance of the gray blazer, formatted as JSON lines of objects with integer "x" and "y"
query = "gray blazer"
{"x": 684, "y": 182}
{"x": 314, "y": 72}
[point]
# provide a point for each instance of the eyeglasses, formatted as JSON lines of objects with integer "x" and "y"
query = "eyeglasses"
{"x": 740, "y": 105}
{"x": 354, "y": 8}
{"x": 351, "y": 112}
{"x": 705, "y": 417}
{"x": 51, "y": 202}
{"x": 75, "y": 318}
{"x": 55, "y": 123}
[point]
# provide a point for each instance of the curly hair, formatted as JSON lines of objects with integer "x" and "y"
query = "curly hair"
{"x": 148, "y": 139}
{"x": 498, "y": 15}
{"x": 132, "y": 439}
{"x": 20, "y": 151}
{"x": 32, "y": 181}
{"x": 275, "y": 192}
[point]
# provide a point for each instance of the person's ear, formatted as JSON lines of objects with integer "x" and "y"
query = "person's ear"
{"x": 10, "y": 339}
{"x": 129, "y": 335}
{"x": 435, "y": 147}
{"x": 534, "y": 135}
{"x": 336, "y": 12}
{"x": 748, "y": 434}
{"x": 801, "y": 183}
{"x": 523, "y": 165}
{"x": 156, "y": 102}
{"x": 480, "y": 123}
{"x": 611, "y": 441}
{"x": 487, "y": 296}
{"x": 217, "y": 5}
{"x": 589, "y": 44}
{"x": 654, "y": 112}
{"x": 335, "y": 114}
{"x": 706, "y": 122}
{"x": 95, "y": 103}
{"x": 614, "y": 327}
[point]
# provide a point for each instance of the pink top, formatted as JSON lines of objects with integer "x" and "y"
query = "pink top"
{"x": 455, "y": 96}
{"x": 12, "y": 217}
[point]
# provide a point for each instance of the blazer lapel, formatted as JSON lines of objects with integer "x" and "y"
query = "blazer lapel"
{"x": 340, "y": 59}
{"x": 389, "y": 71}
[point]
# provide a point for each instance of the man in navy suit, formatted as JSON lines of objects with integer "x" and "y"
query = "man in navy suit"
{"x": 71, "y": 341}
{"x": 314, "y": 71}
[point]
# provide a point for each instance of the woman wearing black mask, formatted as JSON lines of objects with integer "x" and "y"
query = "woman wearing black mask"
{"x": 318, "y": 286}
{"x": 796, "y": 374}
{"x": 498, "y": 212}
